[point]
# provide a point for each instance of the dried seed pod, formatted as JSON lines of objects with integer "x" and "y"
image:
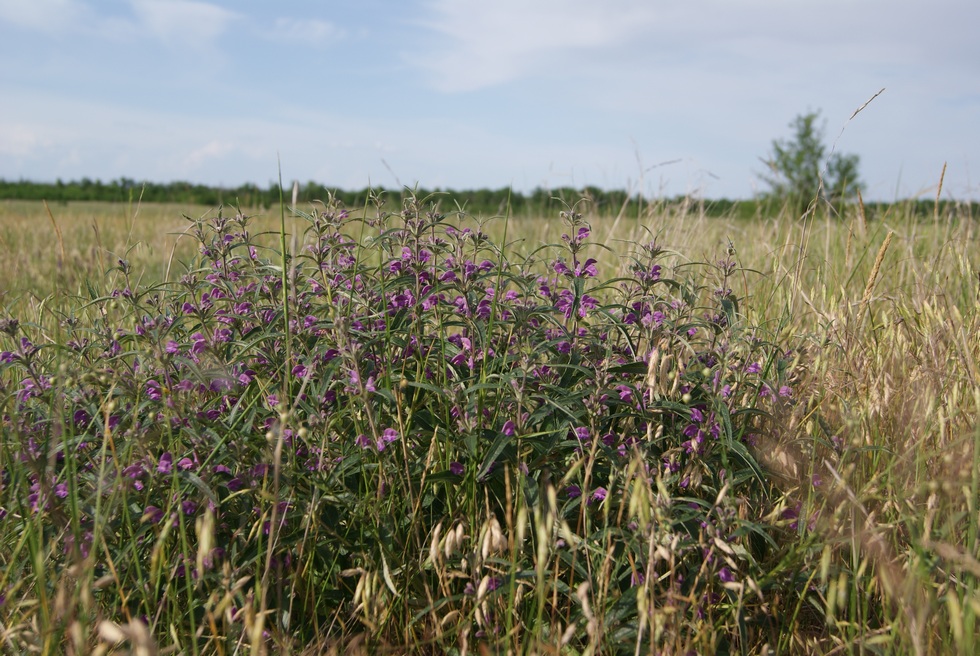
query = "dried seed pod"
{"x": 434, "y": 544}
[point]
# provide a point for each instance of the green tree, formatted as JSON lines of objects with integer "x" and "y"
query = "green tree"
{"x": 794, "y": 168}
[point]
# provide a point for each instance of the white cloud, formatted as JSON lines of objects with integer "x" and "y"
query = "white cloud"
{"x": 214, "y": 149}
{"x": 710, "y": 83}
{"x": 49, "y": 16}
{"x": 304, "y": 32}
{"x": 496, "y": 42}
{"x": 17, "y": 140}
{"x": 481, "y": 44}
{"x": 183, "y": 21}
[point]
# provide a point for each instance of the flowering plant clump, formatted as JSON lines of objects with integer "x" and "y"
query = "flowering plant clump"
{"x": 399, "y": 430}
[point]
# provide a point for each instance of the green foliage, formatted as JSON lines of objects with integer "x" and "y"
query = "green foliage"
{"x": 800, "y": 172}
{"x": 398, "y": 430}
{"x": 453, "y": 446}
{"x": 486, "y": 202}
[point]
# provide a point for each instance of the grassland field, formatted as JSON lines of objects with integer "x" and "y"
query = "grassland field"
{"x": 876, "y": 459}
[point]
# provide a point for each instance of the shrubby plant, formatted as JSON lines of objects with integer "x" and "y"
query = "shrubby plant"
{"x": 401, "y": 434}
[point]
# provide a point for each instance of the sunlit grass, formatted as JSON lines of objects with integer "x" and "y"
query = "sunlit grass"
{"x": 861, "y": 535}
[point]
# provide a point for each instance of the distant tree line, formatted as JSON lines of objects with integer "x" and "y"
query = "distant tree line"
{"x": 477, "y": 202}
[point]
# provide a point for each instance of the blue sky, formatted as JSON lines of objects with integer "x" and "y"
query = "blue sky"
{"x": 661, "y": 97}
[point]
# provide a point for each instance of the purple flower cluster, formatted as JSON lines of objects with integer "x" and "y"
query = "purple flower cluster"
{"x": 265, "y": 410}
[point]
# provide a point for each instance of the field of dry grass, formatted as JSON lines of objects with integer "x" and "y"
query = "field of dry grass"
{"x": 878, "y": 457}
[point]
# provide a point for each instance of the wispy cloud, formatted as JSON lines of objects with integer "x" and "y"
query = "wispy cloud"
{"x": 496, "y": 42}
{"x": 303, "y": 31}
{"x": 574, "y": 90}
{"x": 214, "y": 149}
{"x": 17, "y": 140}
{"x": 50, "y": 16}
{"x": 183, "y": 21}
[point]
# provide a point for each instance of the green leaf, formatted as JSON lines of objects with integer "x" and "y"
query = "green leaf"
{"x": 499, "y": 444}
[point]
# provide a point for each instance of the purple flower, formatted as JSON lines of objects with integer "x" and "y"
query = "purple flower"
{"x": 483, "y": 309}
{"x": 362, "y": 441}
{"x": 152, "y": 514}
{"x": 509, "y": 428}
{"x": 456, "y": 468}
{"x": 81, "y": 419}
{"x": 598, "y": 494}
{"x": 401, "y": 301}
{"x": 26, "y": 347}
{"x": 388, "y": 436}
{"x": 582, "y": 433}
{"x": 30, "y": 389}
{"x": 650, "y": 275}
{"x": 587, "y": 270}
{"x": 135, "y": 472}
{"x": 573, "y": 491}
{"x": 565, "y": 302}
{"x": 725, "y": 575}
{"x": 83, "y": 548}
{"x": 166, "y": 463}
{"x": 153, "y": 390}
{"x": 199, "y": 344}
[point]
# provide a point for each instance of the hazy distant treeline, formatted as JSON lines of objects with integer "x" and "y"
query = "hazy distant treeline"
{"x": 478, "y": 201}
{"x": 485, "y": 202}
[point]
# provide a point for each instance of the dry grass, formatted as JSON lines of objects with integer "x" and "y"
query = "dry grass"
{"x": 60, "y": 247}
{"x": 880, "y": 452}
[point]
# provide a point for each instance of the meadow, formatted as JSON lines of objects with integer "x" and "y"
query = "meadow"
{"x": 399, "y": 428}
